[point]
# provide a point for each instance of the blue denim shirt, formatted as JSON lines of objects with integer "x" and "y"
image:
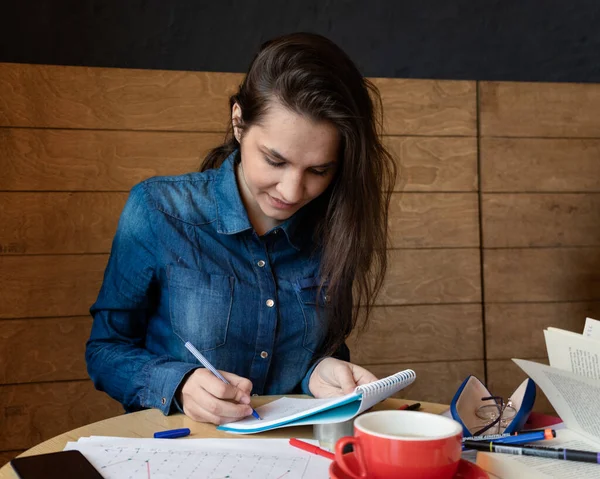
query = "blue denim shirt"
{"x": 186, "y": 265}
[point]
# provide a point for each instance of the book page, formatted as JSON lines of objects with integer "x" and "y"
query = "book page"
{"x": 132, "y": 458}
{"x": 575, "y": 398}
{"x": 509, "y": 466}
{"x": 592, "y": 328}
{"x": 573, "y": 352}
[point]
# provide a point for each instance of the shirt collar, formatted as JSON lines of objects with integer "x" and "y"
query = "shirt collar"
{"x": 232, "y": 217}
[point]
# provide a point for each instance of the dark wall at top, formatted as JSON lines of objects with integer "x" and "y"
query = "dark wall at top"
{"x": 539, "y": 40}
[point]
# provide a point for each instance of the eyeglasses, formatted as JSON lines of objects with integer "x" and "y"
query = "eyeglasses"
{"x": 497, "y": 415}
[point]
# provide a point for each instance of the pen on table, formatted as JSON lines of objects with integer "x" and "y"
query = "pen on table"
{"x": 515, "y": 437}
{"x": 537, "y": 451}
{"x": 526, "y": 437}
{"x": 172, "y": 433}
{"x": 190, "y": 347}
{"x": 305, "y": 446}
{"x": 410, "y": 407}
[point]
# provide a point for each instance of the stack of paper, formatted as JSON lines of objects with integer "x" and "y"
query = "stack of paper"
{"x": 120, "y": 458}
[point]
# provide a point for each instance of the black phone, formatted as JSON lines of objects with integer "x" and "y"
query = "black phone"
{"x": 55, "y": 465}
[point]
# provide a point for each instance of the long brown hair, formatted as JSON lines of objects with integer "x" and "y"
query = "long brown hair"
{"x": 312, "y": 76}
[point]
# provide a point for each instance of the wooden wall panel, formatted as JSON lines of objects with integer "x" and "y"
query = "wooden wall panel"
{"x": 420, "y": 333}
{"x": 516, "y": 329}
{"x": 32, "y": 413}
{"x": 539, "y": 109}
{"x": 59, "y": 223}
{"x": 434, "y": 164}
{"x": 544, "y": 165}
{"x": 540, "y": 275}
{"x": 436, "y": 381}
{"x": 43, "y": 349}
{"x": 86, "y": 160}
{"x": 426, "y": 220}
{"x": 428, "y": 107}
{"x": 112, "y": 98}
{"x": 426, "y": 276}
{"x": 524, "y": 220}
{"x": 46, "y": 286}
{"x": 504, "y": 376}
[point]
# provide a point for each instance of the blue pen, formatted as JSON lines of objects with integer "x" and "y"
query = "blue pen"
{"x": 172, "y": 433}
{"x": 525, "y": 437}
{"x": 210, "y": 367}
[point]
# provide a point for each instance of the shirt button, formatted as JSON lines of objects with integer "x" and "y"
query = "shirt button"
{"x": 261, "y": 263}
{"x": 163, "y": 401}
{"x": 264, "y": 355}
{"x": 270, "y": 303}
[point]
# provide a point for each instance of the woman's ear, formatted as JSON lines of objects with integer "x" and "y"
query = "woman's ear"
{"x": 236, "y": 121}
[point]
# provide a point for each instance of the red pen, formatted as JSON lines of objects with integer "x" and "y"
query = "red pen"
{"x": 410, "y": 407}
{"x": 311, "y": 448}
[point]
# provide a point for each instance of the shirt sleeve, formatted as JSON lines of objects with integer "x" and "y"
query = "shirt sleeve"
{"x": 342, "y": 353}
{"x": 117, "y": 361}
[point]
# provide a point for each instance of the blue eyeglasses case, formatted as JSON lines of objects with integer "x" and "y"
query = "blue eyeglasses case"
{"x": 468, "y": 398}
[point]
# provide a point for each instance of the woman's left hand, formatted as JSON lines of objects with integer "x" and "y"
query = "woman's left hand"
{"x": 333, "y": 377}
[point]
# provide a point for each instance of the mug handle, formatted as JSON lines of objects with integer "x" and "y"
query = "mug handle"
{"x": 339, "y": 456}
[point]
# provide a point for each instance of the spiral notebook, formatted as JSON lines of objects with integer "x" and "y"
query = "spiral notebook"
{"x": 297, "y": 412}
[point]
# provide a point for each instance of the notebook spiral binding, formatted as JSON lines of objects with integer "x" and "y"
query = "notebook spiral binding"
{"x": 403, "y": 377}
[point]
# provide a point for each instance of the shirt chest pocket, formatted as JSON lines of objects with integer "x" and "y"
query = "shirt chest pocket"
{"x": 200, "y": 306}
{"x": 313, "y": 304}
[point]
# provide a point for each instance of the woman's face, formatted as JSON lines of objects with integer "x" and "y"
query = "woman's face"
{"x": 286, "y": 162}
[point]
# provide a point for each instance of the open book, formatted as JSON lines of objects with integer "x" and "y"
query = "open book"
{"x": 578, "y": 353}
{"x": 296, "y": 412}
{"x": 572, "y": 386}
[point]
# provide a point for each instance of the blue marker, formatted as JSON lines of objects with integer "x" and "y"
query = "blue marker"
{"x": 172, "y": 433}
{"x": 211, "y": 368}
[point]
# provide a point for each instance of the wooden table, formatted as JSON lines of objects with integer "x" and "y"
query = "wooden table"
{"x": 146, "y": 423}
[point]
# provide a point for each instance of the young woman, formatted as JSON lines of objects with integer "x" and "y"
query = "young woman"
{"x": 263, "y": 259}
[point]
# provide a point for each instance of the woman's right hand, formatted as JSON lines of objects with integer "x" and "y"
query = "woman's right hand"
{"x": 205, "y": 398}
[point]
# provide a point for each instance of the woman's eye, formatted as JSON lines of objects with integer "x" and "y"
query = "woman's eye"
{"x": 319, "y": 172}
{"x": 274, "y": 163}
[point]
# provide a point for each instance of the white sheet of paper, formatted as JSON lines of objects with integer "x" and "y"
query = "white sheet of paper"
{"x": 132, "y": 458}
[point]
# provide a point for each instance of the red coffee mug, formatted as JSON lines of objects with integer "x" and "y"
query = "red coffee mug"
{"x": 406, "y": 444}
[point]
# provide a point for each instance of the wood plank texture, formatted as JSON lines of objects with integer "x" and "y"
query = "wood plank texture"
{"x": 438, "y": 380}
{"x": 541, "y": 275}
{"x": 427, "y": 220}
{"x": 420, "y": 333}
{"x": 540, "y": 165}
{"x": 85, "y": 160}
{"x": 47, "y": 286}
{"x": 423, "y": 276}
{"x": 428, "y": 107}
{"x": 522, "y": 220}
{"x": 111, "y": 98}
{"x": 434, "y": 164}
{"x": 31, "y": 413}
{"x": 504, "y": 376}
{"x": 52, "y": 96}
{"x": 43, "y": 349}
{"x": 519, "y": 109}
{"x": 516, "y": 330}
{"x": 59, "y": 223}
